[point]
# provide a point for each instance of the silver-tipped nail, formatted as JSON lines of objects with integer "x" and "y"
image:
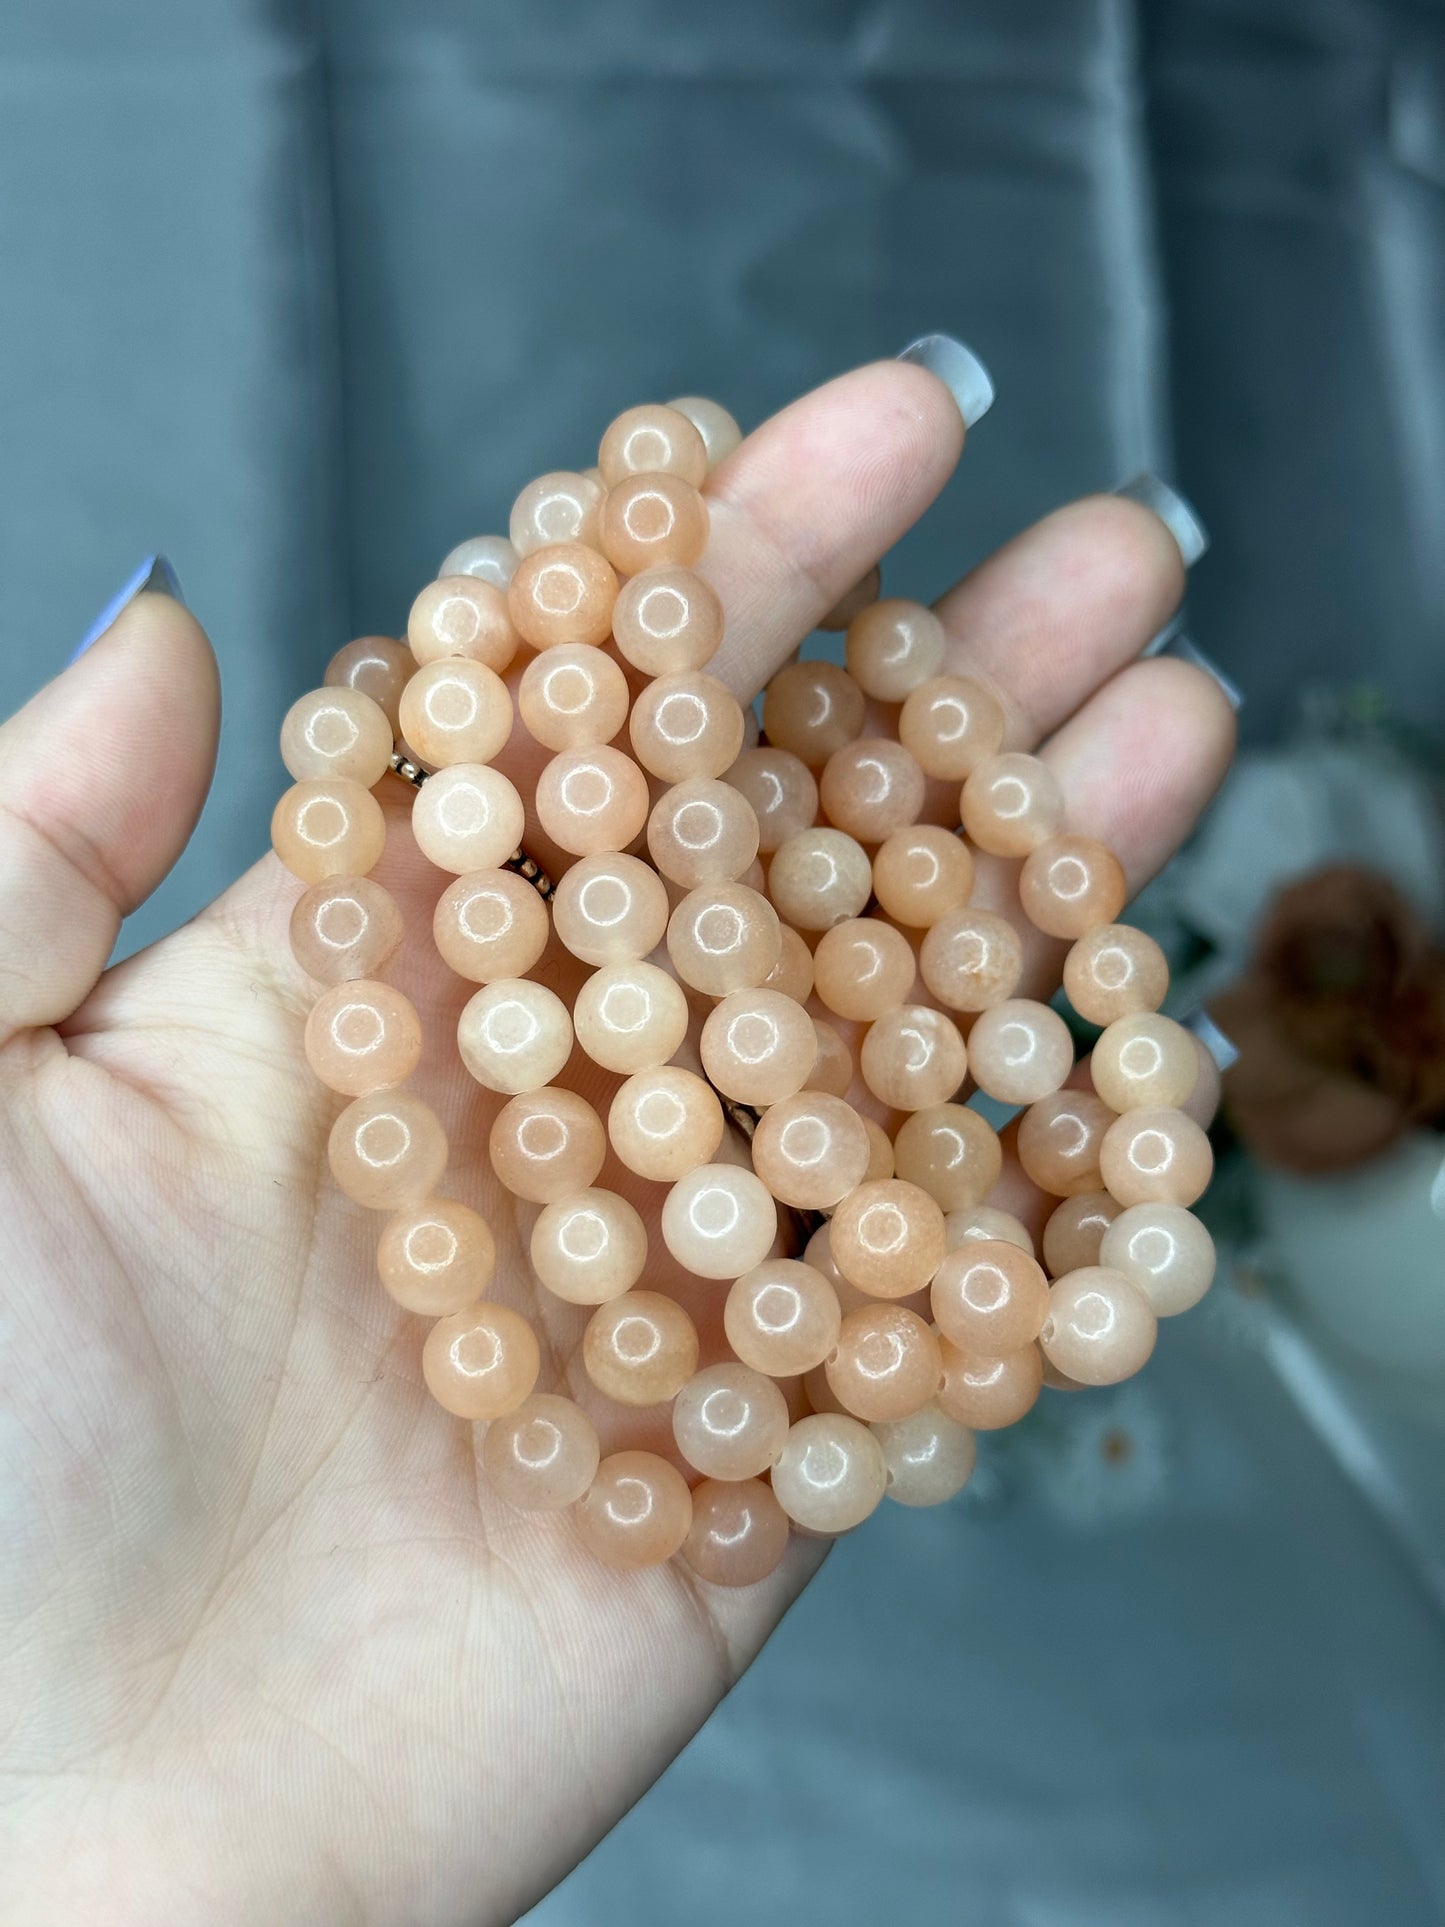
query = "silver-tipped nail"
{"x": 1213, "y": 1039}
{"x": 1187, "y": 651}
{"x": 154, "y": 574}
{"x": 960, "y": 371}
{"x": 1173, "y": 511}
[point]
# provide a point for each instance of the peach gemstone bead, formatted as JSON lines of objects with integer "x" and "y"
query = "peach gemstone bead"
{"x": 1100, "y": 1326}
{"x": 467, "y": 817}
{"x": 811, "y": 1149}
{"x": 719, "y": 1221}
{"x": 719, "y": 430}
{"x": 458, "y": 615}
{"x": 782, "y": 791}
{"x": 951, "y": 725}
{"x": 922, "y": 873}
{"x": 830, "y": 1474}
{"x": 989, "y": 1297}
{"x": 563, "y": 592}
{"x": 514, "y": 1035}
{"x": 337, "y": 732}
{"x": 758, "y": 1046}
{"x": 387, "y": 1150}
{"x": 863, "y": 968}
{"x": 490, "y": 558}
{"x": 1011, "y": 804}
{"x": 1070, "y": 885}
{"x": 1074, "y": 1234}
{"x": 362, "y": 1036}
{"x": 812, "y": 709}
{"x": 986, "y": 1221}
{"x": 730, "y": 1422}
{"x": 1154, "y": 1156}
{"x": 886, "y": 1238}
{"x": 489, "y": 925}
{"x": 892, "y": 646}
{"x": 561, "y": 506}
{"x": 1059, "y": 1140}
{"x": 782, "y": 1317}
{"x": 481, "y": 1363}
{"x": 637, "y": 1512}
{"x": 971, "y": 959}
{"x": 328, "y": 827}
{"x": 1165, "y": 1251}
{"x": 913, "y": 1057}
{"x": 1020, "y": 1051}
{"x": 861, "y": 596}
{"x": 818, "y": 878}
{"x": 1146, "y": 1059}
{"x": 880, "y": 1151}
{"x": 723, "y": 938}
{"x": 1202, "y": 1103}
{"x": 572, "y": 697}
{"x": 667, "y": 620}
{"x": 344, "y": 928}
{"x": 640, "y": 1349}
{"x": 652, "y": 439}
{"x": 589, "y": 1247}
{"x": 702, "y": 831}
{"x": 591, "y": 800}
{"x": 378, "y": 667}
{"x": 547, "y": 1144}
{"x": 986, "y": 1393}
{"x": 930, "y": 1457}
{"x": 686, "y": 725}
{"x": 951, "y": 1152}
{"x": 665, "y": 1122}
{"x": 793, "y": 972}
{"x": 648, "y": 520}
{"x": 739, "y": 1532}
{"x": 610, "y": 909}
{"x": 833, "y": 1071}
{"x": 630, "y": 1017}
{"x": 543, "y": 1456}
{"x": 886, "y": 1365}
{"x": 1116, "y": 971}
{"x": 436, "y": 1258}
{"x": 456, "y": 711}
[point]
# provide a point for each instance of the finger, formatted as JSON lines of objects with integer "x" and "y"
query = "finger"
{"x": 102, "y": 777}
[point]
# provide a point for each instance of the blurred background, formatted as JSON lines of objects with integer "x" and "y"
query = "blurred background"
{"x": 300, "y": 294}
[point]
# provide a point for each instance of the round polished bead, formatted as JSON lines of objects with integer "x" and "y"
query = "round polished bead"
{"x": 1100, "y": 1326}
{"x": 652, "y": 520}
{"x": 832, "y": 1070}
{"x": 730, "y": 1422}
{"x": 719, "y": 1221}
{"x": 640, "y": 1349}
{"x": 739, "y": 1532}
{"x": 818, "y": 878}
{"x": 610, "y": 909}
{"x": 1020, "y": 1051}
{"x": 1074, "y": 1234}
{"x": 378, "y": 667}
{"x": 812, "y": 709}
{"x": 588, "y": 1247}
{"x": 989, "y": 1297}
{"x": 951, "y": 724}
{"x": 328, "y": 827}
{"x": 887, "y": 1238}
{"x": 337, "y": 732}
{"x": 1059, "y": 1139}
{"x": 972, "y": 959}
{"x": 1071, "y": 885}
{"x": 572, "y": 697}
{"x": 922, "y": 873}
{"x": 892, "y": 647}
{"x": 436, "y": 1258}
{"x": 1011, "y": 804}
{"x": 456, "y": 711}
{"x": 547, "y": 1144}
{"x": 344, "y": 928}
{"x": 758, "y": 1046}
{"x": 686, "y": 725}
{"x": 1145, "y": 1059}
{"x": 913, "y": 1057}
{"x": 542, "y": 1456}
{"x": 1155, "y": 1157}
{"x": 481, "y": 1363}
{"x": 363, "y": 1036}
{"x": 782, "y": 791}
{"x": 591, "y": 800}
{"x": 458, "y": 615}
{"x": 863, "y": 968}
{"x": 561, "y": 506}
{"x": 830, "y": 1474}
{"x": 514, "y": 1035}
{"x": 636, "y": 1513}
{"x": 467, "y": 817}
{"x": 782, "y": 1317}
{"x": 793, "y": 972}
{"x": 490, "y": 924}
{"x": 664, "y": 1123}
{"x": 986, "y": 1221}
{"x": 630, "y": 1017}
{"x": 951, "y": 1152}
{"x": 880, "y": 1151}
{"x": 1202, "y": 1103}
{"x": 986, "y": 1393}
{"x": 886, "y": 1364}
{"x": 652, "y": 439}
{"x": 702, "y": 831}
{"x": 1115, "y": 971}
{"x": 719, "y": 430}
{"x": 861, "y": 596}
{"x": 387, "y": 1150}
{"x": 490, "y": 558}
{"x": 562, "y": 593}
{"x": 1165, "y": 1251}
{"x": 723, "y": 938}
{"x": 811, "y": 1150}
{"x": 930, "y": 1457}
{"x": 667, "y": 621}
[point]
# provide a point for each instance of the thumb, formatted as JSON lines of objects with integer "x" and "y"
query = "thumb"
{"x": 102, "y": 777}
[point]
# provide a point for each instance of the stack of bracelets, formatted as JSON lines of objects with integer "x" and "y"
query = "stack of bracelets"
{"x": 756, "y": 907}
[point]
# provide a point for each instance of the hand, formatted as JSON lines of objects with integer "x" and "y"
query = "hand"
{"x": 268, "y": 1650}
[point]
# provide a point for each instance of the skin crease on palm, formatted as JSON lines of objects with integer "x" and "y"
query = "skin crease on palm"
{"x": 268, "y": 1650}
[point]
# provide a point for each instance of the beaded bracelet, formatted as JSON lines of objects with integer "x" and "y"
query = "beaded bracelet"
{"x": 792, "y": 899}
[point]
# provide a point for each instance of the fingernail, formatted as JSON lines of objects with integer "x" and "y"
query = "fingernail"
{"x": 1187, "y": 651}
{"x": 960, "y": 371}
{"x": 154, "y": 573}
{"x": 1173, "y": 511}
{"x": 1213, "y": 1039}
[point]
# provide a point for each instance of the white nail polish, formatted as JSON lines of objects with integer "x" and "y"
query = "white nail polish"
{"x": 1187, "y": 651}
{"x": 1213, "y": 1039}
{"x": 1173, "y": 511}
{"x": 960, "y": 371}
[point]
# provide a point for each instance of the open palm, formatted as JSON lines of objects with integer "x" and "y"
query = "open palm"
{"x": 267, "y": 1648}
